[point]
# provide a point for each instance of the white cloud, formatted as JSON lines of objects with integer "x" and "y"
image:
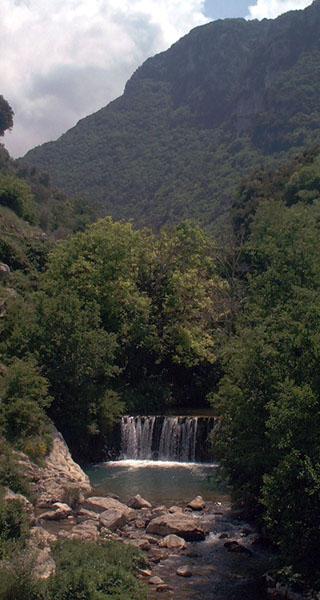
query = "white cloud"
{"x": 273, "y": 8}
{"x": 63, "y": 59}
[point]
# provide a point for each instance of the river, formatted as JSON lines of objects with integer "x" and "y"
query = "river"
{"x": 217, "y": 574}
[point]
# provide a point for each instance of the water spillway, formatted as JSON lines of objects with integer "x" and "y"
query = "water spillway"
{"x": 180, "y": 439}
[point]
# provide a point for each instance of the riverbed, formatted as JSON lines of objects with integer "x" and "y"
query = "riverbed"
{"x": 217, "y": 572}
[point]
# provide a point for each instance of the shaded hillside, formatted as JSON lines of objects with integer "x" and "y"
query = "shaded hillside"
{"x": 229, "y": 97}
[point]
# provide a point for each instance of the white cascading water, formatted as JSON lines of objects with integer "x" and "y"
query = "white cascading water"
{"x": 161, "y": 438}
{"x": 136, "y": 437}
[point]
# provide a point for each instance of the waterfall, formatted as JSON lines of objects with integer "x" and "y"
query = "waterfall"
{"x": 137, "y": 436}
{"x": 182, "y": 439}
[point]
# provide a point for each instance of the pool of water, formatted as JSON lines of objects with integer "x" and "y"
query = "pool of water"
{"x": 160, "y": 482}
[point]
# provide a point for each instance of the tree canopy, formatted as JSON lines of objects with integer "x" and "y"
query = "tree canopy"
{"x": 6, "y": 116}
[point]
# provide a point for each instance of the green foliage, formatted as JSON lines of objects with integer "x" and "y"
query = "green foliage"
{"x": 122, "y": 316}
{"x": 6, "y": 116}
{"x": 18, "y": 583}
{"x": 24, "y": 396}
{"x": 117, "y": 302}
{"x": 14, "y": 522}
{"x": 87, "y": 571}
{"x": 11, "y": 475}
{"x": 194, "y": 120}
{"x": 269, "y": 397}
{"x": 16, "y": 194}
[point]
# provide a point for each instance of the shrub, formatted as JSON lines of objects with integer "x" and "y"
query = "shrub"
{"x": 87, "y": 571}
{"x": 10, "y": 473}
{"x": 14, "y": 522}
{"x": 24, "y": 395}
{"x": 16, "y": 194}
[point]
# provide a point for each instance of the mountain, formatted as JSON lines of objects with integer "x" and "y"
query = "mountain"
{"x": 230, "y": 97}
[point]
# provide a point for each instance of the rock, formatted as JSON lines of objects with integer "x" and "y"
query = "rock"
{"x": 41, "y": 538}
{"x": 223, "y": 536}
{"x": 156, "y": 555}
{"x": 184, "y": 572}
{"x": 142, "y": 544}
{"x": 234, "y": 546}
{"x": 61, "y": 479}
{"x": 10, "y": 496}
{"x": 160, "y": 510}
{"x": 153, "y": 540}
{"x": 97, "y": 503}
{"x": 175, "y": 509}
{"x": 112, "y": 519}
{"x": 197, "y": 503}
{"x": 4, "y": 270}
{"x": 163, "y": 588}
{"x": 61, "y": 511}
{"x": 138, "y": 502}
{"x": 84, "y": 515}
{"x": 45, "y": 566}
{"x": 140, "y": 524}
{"x": 156, "y": 581}
{"x": 183, "y": 525}
{"x": 173, "y": 542}
{"x": 87, "y": 531}
{"x": 145, "y": 572}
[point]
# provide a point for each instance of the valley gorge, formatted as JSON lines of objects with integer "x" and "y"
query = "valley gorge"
{"x": 159, "y": 330}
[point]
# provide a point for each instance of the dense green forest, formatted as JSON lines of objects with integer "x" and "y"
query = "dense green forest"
{"x": 229, "y": 97}
{"x": 235, "y": 325}
{"x": 83, "y": 569}
{"x": 269, "y": 394}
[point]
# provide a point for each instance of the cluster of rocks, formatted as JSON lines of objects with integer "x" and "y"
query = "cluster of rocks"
{"x": 65, "y": 508}
{"x": 159, "y": 531}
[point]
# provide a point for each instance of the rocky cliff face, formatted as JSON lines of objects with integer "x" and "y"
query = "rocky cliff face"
{"x": 230, "y": 96}
{"x": 60, "y": 479}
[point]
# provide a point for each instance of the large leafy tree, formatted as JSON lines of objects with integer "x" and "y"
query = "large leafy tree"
{"x": 6, "y": 116}
{"x": 122, "y": 314}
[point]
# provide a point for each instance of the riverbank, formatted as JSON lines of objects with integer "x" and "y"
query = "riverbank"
{"x": 191, "y": 550}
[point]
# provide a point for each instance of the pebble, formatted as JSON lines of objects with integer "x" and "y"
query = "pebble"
{"x": 156, "y": 581}
{"x": 184, "y": 572}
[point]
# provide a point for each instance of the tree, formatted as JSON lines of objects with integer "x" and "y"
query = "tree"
{"x": 269, "y": 397}
{"x": 6, "y": 116}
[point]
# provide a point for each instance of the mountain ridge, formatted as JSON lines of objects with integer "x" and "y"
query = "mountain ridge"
{"x": 231, "y": 96}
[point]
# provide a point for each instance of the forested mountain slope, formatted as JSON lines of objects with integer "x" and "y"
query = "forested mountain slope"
{"x": 231, "y": 96}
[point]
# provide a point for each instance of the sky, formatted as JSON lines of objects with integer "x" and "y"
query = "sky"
{"x": 61, "y": 60}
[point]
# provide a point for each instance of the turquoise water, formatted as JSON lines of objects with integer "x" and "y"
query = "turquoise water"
{"x": 160, "y": 482}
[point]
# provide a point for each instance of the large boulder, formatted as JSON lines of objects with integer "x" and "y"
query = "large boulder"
{"x": 61, "y": 511}
{"x": 185, "y": 526}
{"x": 112, "y": 519}
{"x": 87, "y": 531}
{"x": 59, "y": 480}
{"x": 197, "y": 503}
{"x": 101, "y": 504}
{"x": 84, "y": 515}
{"x": 138, "y": 502}
{"x": 174, "y": 542}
